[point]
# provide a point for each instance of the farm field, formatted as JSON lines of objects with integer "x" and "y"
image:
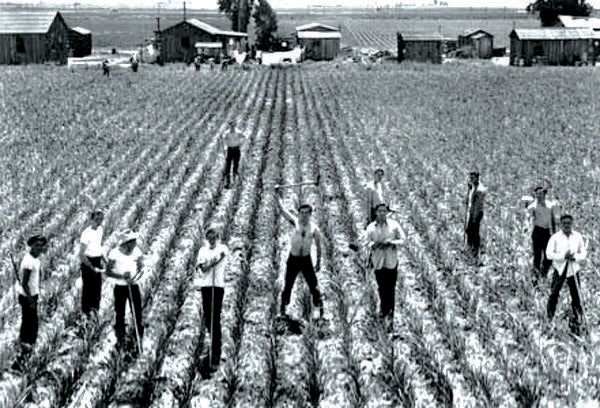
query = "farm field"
{"x": 145, "y": 147}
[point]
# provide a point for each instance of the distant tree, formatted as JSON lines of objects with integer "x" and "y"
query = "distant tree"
{"x": 238, "y": 12}
{"x": 266, "y": 25}
{"x": 550, "y": 9}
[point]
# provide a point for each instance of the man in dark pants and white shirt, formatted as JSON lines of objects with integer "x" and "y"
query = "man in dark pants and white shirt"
{"x": 543, "y": 219}
{"x": 91, "y": 256}
{"x": 233, "y": 141}
{"x": 567, "y": 252}
{"x": 384, "y": 236}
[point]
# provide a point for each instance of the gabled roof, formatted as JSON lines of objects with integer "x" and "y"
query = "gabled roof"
{"x": 31, "y": 22}
{"x": 312, "y": 26}
{"x": 212, "y": 30}
{"x": 554, "y": 34}
{"x": 479, "y": 32}
{"x": 423, "y": 37}
{"x": 319, "y": 34}
{"x": 580, "y": 22}
{"x": 81, "y": 30}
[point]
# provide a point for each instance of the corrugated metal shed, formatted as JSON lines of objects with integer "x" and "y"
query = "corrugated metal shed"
{"x": 26, "y": 22}
{"x": 543, "y": 34}
{"x": 580, "y": 22}
{"x": 315, "y": 26}
{"x": 319, "y": 34}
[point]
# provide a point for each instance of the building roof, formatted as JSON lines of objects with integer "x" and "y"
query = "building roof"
{"x": 208, "y": 45}
{"x": 214, "y": 30}
{"x": 423, "y": 37}
{"x": 311, "y": 26}
{"x": 30, "y": 22}
{"x": 319, "y": 34}
{"x": 475, "y": 32}
{"x": 554, "y": 34}
{"x": 580, "y": 22}
{"x": 479, "y": 35}
{"x": 81, "y": 30}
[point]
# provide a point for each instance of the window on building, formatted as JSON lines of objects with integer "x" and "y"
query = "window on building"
{"x": 20, "y": 45}
{"x": 185, "y": 41}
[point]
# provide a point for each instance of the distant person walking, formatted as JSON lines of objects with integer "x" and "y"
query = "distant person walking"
{"x": 28, "y": 289}
{"x": 305, "y": 233}
{"x": 134, "y": 62}
{"x": 92, "y": 263}
{"x": 211, "y": 264}
{"x": 475, "y": 202}
{"x": 197, "y": 62}
{"x": 375, "y": 195}
{"x": 124, "y": 270}
{"x": 384, "y": 236}
{"x": 543, "y": 220}
{"x": 567, "y": 252}
{"x": 105, "y": 68}
{"x": 234, "y": 139}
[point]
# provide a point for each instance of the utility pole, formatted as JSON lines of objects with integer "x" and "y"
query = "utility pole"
{"x": 184, "y": 13}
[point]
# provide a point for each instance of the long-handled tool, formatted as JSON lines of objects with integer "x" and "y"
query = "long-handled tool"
{"x": 212, "y": 320}
{"x": 585, "y": 321}
{"x": 135, "y": 322}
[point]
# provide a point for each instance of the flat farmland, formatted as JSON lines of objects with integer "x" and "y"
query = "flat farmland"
{"x": 144, "y": 146}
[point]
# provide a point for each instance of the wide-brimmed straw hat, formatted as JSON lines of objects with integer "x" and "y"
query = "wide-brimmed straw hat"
{"x": 126, "y": 236}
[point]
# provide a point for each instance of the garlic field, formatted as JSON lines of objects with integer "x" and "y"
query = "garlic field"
{"x": 144, "y": 146}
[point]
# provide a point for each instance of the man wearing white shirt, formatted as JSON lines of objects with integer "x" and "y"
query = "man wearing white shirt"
{"x": 375, "y": 195}
{"x": 567, "y": 252}
{"x": 210, "y": 264}
{"x": 233, "y": 140}
{"x": 384, "y": 236}
{"x": 543, "y": 219}
{"x": 91, "y": 257}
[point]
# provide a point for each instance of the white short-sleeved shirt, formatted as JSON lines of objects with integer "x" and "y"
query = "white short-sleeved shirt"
{"x": 123, "y": 264}
{"x": 92, "y": 239}
{"x": 34, "y": 265}
{"x": 206, "y": 254}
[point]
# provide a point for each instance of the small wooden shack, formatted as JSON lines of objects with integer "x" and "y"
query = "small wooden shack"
{"x": 33, "y": 37}
{"x": 320, "y": 41}
{"x": 177, "y": 43}
{"x": 80, "y": 42}
{"x": 421, "y": 47}
{"x": 553, "y": 46}
{"x": 480, "y": 42}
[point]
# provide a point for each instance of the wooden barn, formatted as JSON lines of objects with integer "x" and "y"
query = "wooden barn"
{"x": 553, "y": 46}
{"x": 80, "y": 42}
{"x": 320, "y": 41}
{"x": 421, "y": 47}
{"x": 33, "y": 37}
{"x": 480, "y": 42}
{"x": 177, "y": 43}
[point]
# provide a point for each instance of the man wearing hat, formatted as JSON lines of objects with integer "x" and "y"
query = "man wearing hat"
{"x": 375, "y": 195}
{"x": 475, "y": 202}
{"x": 28, "y": 290}
{"x": 91, "y": 257}
{"x": 305, "y": 233}
{"x": 233, "y": 141}
{"x": 124, "y": 270}
{"x": 384, "y": 236}
{"x": 210, "y": 264}
{"x": 543, "y": 219}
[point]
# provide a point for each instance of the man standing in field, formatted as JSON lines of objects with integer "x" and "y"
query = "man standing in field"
{"x": 299, "y": 260}
{"x": 375, "y": 195}
{"x": 543, "y": 220}
{"x": 475, "y": 202}
{"x": 384, "y": 236}
{"x": 105, "y": 68}
{"x": 567, "y": 252}
{"x": 211, "y": 265}
{"x": 233, "y": 141}
{"x": 91, "y": 257}
{"x": 28, "y": 290}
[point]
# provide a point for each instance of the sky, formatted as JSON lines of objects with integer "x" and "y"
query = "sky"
{"x": 211, "y": 4}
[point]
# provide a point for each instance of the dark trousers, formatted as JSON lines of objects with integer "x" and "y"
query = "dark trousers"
{"x": 373, "y": 215}
{"x": 473, "y": 237}
{"x": 540, "y": 237}
{"x": 386, "y": 285}
{"x": 296, "y": 264}
{"x": 212, "y": 317}
{"x": 121, "y": 298}
{"x": 233, "y": 157}
{"x": 557, "y": 282}
{"x": 92, "y": 286}
{"x": 29, "y": 319}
